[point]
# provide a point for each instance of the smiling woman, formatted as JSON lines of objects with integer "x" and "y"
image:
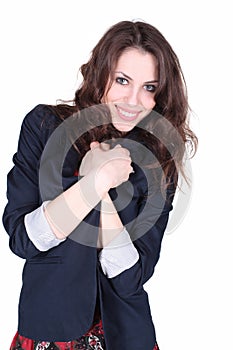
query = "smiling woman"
{"x": 90, "y": 194}
{"x": 132, "y": 93}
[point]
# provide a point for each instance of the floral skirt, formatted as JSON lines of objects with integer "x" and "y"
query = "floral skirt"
{"x": 92, "y": 340}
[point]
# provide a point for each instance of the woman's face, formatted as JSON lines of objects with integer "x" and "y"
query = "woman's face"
{"x": 131, "y": 96}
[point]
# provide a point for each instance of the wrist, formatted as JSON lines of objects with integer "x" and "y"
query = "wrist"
{"x": 102, "y": 182}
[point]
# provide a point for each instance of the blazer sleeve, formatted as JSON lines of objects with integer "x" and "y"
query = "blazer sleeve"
{"x": 22, "y": 181}
{"x": 146, "y": 232}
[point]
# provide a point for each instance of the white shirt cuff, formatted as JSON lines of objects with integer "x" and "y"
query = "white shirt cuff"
{"x": 39, "y": 230}
{"x": 119, "y": 255}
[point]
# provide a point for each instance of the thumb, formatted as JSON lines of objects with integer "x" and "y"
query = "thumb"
{"x": 94, "y": 145}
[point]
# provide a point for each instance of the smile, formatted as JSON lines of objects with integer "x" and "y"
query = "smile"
{"x": 127, "y": 115}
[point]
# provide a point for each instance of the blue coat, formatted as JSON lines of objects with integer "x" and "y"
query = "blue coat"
{"x": 60, "y": 286}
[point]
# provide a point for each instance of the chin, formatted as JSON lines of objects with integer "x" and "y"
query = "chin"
{"x": 123, "y": 127}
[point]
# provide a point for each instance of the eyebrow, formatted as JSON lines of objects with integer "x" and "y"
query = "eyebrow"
{"x": 146, "y": 82}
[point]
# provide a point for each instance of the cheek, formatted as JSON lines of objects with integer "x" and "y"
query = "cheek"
{"x": 108, "y": 97}
{"x": 147, "y": 99}
{"x": 149, "y": 102}
{"x": 115, "y": 93}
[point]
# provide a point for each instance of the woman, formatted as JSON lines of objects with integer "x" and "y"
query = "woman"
{"x": 90, "y": 193}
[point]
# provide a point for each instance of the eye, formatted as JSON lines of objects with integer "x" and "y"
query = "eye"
{"x": 121, "y": 81}
{"x": 150, "y": 88}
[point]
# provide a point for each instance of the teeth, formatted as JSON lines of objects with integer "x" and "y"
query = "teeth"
{"x": 127, "y": 114}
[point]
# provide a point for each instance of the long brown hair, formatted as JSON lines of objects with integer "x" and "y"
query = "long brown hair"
{"x": 171, "y": 93}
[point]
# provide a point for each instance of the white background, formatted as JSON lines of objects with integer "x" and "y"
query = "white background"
{"x": 43, "y": 43}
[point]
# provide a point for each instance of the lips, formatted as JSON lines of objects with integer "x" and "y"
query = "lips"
{"x": 126, "y": 114}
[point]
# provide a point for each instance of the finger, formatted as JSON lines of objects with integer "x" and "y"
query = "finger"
{"x": 104, "y": 146}
{"x": 123, "y": 150}
{"x": 132, "y": 170}
{"x": 94, "y": 145}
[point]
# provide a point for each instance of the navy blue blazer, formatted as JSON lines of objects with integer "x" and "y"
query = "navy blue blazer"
{"x": 60, "y": 286}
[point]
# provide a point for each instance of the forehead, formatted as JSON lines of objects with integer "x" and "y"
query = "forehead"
{"x": 136, "y": 62}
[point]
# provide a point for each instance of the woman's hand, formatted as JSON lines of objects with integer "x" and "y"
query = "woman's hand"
{"x": 112, "y": 166}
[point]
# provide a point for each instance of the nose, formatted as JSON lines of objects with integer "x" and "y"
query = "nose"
{"x": 133, "y": 96}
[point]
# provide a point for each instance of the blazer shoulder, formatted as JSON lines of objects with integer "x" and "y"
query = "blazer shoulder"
{"x": 40, "y": 122}
{"x": 42, "y": 116}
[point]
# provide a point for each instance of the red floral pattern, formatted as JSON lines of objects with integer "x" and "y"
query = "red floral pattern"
{"x": 92, "y": 340}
